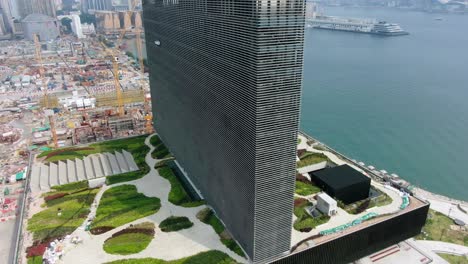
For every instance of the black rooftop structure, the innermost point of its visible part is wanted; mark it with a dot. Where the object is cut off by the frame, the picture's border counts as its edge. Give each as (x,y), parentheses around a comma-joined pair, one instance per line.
(343,183)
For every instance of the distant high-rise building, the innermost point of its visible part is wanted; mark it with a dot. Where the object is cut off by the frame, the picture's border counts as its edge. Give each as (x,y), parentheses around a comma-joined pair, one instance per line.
(227,80)
(89,6)
(45,7)
(76,26)
(10,12)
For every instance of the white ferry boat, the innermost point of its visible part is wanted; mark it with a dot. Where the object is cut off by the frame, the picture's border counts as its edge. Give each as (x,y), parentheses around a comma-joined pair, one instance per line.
(387,29)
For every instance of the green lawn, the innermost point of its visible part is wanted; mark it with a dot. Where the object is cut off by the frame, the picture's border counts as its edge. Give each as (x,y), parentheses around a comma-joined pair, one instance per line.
(310,158)
(105,146)
(160,150)
(74,210)
(452,259)
(175,223)
(123,204)
(438,228)
(35,260)
(178,195)
(134,145)
(382,200)
(305,222)
(207,216)
(208,257)
(305,189)
(127,244)
(69,188)
(320,147)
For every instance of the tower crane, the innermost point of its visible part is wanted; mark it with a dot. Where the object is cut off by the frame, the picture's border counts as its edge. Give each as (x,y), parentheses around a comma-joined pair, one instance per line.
(149,116)
(49,113)
(38,51)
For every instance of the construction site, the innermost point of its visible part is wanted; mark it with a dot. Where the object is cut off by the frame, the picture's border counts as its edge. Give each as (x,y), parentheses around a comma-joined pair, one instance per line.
(79,90)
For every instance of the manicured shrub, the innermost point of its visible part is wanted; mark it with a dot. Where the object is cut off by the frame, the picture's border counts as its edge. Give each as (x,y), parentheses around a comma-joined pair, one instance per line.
(37,250)
(54,196)
(100,230)
(175,223)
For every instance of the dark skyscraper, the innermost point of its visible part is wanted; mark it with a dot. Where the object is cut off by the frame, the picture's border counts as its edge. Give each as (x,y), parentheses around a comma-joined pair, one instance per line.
(226,83)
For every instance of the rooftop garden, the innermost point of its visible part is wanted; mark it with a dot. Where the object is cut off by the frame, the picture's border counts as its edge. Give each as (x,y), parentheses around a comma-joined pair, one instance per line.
(305,222)
(208,217)
(305,187)
(120,205)
(66,207)
(438,227)
(131,240)
(360,206)
(175,223)
(178,195)
(310,158)
(208,257)
(160,150)
(134,145)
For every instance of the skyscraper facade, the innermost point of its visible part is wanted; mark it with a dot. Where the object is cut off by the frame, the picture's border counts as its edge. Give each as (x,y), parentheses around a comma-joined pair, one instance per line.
(226,80)
(92,5)
(45,7)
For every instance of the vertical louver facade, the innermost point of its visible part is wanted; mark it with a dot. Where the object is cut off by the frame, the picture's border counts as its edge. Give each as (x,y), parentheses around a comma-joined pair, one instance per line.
(226,83)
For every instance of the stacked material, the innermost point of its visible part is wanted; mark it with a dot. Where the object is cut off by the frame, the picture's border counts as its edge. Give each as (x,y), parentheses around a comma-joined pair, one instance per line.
(44,176)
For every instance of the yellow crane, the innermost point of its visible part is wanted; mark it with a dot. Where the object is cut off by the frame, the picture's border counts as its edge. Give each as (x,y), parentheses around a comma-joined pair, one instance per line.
(149,116)
(38,51)
(115,69)
(49,113)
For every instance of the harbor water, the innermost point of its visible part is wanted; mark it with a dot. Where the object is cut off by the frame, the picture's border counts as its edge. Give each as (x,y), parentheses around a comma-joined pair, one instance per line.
(397,103)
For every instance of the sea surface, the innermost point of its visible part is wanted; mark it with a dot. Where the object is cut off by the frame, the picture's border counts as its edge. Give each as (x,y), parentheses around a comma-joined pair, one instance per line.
(397,103)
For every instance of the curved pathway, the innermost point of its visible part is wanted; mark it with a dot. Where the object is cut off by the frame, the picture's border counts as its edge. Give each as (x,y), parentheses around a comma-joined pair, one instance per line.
(167,246)
(444,247)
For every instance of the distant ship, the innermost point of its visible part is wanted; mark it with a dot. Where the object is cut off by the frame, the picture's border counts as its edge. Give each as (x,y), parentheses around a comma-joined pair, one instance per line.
(438,18)
(369,26)
(387,29)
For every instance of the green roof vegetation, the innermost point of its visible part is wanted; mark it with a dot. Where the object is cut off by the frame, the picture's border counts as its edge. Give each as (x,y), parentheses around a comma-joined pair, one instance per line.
(69,187)
(362,205)
(135,145)
(208,257)
(437,227)
(207,216)
(73,207)
(305,222)
(123,204)
(310,158)
(160,150)
(35,260)
(320,147)
(130,240)
(305,189)
(175,223)
(452,259)
(105,146)
(178,195)
(127,244)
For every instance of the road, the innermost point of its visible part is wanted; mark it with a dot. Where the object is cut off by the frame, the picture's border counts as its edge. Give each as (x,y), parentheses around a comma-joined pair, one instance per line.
(7,241)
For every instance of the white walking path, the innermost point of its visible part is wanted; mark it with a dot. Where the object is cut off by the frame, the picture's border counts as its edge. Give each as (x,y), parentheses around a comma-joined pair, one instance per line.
(167,246)
(444,247)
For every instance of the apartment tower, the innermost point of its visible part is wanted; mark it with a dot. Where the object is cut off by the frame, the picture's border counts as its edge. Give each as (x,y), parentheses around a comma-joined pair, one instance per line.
(226,80)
